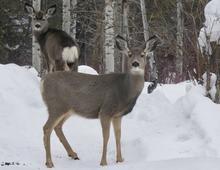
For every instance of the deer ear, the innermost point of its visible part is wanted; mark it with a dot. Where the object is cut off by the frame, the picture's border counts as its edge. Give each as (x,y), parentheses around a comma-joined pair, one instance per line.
(152,43)
(29,9)
(51,11)
(121,44)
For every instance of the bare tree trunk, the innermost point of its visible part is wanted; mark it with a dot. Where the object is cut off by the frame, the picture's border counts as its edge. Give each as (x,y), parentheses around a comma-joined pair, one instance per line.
(118,31)
(66,16)
(144,20)
(125,30)
(179,48)
(36,55)
(207,55)
(69,18)
(109,36)
(152,64)
(73,19)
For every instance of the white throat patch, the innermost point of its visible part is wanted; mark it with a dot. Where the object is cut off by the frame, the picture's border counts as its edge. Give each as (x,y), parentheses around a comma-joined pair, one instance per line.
(137,70)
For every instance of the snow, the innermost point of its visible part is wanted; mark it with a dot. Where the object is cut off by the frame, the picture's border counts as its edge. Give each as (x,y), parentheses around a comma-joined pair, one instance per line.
(173,128)
(87,70)
(213,79)
(212,25)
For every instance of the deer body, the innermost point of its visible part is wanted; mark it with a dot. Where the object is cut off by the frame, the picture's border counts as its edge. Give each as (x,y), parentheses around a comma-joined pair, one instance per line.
(107,97)
(59,49)
(117,99)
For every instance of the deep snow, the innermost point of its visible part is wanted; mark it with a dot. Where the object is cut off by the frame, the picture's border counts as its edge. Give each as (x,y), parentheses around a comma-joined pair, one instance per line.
(211,25)
(174,128)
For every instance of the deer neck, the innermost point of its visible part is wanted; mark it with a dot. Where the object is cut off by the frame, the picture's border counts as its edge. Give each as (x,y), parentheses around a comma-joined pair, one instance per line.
(39,34)
(135,83)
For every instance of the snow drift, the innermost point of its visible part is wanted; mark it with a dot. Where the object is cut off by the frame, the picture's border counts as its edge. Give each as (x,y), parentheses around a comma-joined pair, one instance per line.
(175,127)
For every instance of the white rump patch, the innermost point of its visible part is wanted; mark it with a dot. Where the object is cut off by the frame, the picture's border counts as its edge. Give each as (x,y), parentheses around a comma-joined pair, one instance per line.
(70,54)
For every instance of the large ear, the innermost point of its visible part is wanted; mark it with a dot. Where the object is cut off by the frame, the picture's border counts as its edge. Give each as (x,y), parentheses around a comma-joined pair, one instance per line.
(121,44)
(29,9)
(152,43)
(51,11)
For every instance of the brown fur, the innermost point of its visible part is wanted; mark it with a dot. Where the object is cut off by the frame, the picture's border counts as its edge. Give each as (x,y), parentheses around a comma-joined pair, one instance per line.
(107,97)
(51,41)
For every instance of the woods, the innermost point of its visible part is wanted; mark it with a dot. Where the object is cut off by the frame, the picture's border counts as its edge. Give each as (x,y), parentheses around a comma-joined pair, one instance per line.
(95,23)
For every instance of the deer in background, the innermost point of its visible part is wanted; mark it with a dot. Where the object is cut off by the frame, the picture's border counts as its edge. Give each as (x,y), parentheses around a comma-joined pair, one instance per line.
(59,49)
(108,97)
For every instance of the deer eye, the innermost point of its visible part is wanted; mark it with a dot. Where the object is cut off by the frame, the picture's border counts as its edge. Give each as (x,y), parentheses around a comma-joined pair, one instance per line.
(143,54)
(129,54)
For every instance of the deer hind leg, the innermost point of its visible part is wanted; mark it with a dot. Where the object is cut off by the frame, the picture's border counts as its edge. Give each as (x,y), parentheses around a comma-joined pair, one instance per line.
(73,66)
(63,140)
(48,128)
(105,123)
(117,130)
(59,65)
(50,68)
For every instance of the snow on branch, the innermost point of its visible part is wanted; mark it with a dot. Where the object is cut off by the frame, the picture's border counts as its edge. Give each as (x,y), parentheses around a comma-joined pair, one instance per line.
(12,48)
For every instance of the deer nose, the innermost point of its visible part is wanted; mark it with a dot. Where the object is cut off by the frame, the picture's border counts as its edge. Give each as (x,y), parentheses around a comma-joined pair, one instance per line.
(37,25)
(135,64)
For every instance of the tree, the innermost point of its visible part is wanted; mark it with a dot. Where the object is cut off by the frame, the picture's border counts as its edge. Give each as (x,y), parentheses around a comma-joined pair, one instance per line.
(66,16)
(109,36)
(179,44)
(73,19)
(36,56)
(125,29)
(151,62)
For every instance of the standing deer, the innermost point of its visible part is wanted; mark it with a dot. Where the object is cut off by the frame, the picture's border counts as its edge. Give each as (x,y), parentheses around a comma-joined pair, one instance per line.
(107,97)
(59,50)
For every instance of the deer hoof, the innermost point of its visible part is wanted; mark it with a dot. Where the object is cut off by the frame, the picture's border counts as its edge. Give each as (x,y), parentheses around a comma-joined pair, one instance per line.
(119,160)
(49,164)
(74,156)
(103,163)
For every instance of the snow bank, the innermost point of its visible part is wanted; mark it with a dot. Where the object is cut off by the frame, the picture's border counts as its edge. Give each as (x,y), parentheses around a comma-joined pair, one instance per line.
(87,70)
(175,127)
(204,116)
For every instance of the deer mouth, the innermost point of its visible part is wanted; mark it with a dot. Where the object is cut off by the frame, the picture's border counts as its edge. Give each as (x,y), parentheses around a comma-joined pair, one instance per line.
(37,27)
(137,70)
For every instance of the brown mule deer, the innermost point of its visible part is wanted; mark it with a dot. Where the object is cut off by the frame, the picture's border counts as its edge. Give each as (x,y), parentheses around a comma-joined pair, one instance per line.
(59,50)
(107,97)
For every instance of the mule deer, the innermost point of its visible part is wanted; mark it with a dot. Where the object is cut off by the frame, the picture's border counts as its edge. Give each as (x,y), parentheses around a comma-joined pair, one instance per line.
(59,50)
(107,97)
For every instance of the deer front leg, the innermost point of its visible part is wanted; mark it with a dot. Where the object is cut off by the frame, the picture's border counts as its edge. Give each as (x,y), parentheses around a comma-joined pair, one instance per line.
(117,129)
(48,127)
(105,123)
(63,140)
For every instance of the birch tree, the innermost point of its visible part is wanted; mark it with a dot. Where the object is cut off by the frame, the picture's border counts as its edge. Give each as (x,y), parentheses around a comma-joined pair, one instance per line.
(66,16)
(109,36)
(73,19)
(36,55)
(125,30)
(179,48)
(69,18)
(118,31)
(151,61)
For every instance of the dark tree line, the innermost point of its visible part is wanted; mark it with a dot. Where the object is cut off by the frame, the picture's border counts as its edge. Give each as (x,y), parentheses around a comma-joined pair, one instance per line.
(15,33)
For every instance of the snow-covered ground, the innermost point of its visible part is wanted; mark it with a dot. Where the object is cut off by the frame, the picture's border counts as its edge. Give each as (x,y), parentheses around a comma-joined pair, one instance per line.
(174,128)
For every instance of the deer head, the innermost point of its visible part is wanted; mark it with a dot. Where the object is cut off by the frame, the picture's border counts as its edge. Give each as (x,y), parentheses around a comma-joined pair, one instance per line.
(137,56)
(40,18)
